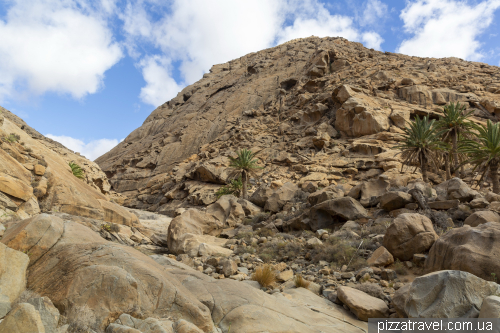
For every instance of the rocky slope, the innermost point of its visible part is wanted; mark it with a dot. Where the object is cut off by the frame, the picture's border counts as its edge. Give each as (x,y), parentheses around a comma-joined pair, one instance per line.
(35,175)
(316,110)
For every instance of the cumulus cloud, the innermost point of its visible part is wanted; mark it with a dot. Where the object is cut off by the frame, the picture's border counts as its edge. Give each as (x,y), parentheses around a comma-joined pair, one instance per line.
(58,46)
(375,11)
(196,34)
(444,28)
(90,150)
(160,86)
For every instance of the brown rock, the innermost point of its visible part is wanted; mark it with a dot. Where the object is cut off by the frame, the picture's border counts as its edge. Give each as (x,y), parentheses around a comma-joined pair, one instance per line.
(39,170)
(380,257)
(325,214)
(35,235)
(444,205)
(22,319)
(409,234)
(361,304)
(84,269)
(482,217)
(395,200)
(116,214)
(469,249)
(13,266)
(15,187)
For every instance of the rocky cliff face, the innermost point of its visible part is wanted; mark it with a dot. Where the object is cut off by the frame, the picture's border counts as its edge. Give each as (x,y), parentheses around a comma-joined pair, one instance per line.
(35,175)
(318,111)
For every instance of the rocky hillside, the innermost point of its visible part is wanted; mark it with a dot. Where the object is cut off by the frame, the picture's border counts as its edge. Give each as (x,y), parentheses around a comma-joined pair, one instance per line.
(35,175)
(316,110)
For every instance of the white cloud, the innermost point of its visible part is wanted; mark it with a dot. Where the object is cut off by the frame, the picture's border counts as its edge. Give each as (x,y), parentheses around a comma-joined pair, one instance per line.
(59,46)
(90,150)
(196,34)
(372,40)
(444,28)
(374,12)
(160,86)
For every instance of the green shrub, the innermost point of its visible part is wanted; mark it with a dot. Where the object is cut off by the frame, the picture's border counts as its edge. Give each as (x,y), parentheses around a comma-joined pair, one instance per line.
(77,170)
(233,188)
(12,137)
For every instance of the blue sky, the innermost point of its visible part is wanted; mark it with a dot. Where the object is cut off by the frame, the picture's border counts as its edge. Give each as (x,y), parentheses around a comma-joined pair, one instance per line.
(87,73)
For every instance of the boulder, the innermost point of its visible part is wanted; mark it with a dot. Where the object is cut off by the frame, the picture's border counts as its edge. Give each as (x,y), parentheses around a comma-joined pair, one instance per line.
(227,210)
(380,257)
(470,249)
(329,212)
(328,193)
(15,188)
(490,307)
(261,195)
(444,204)
(455,188)
(482,217)
(448,294)
(409,234)
(34,235)
(47,311)
(361,304)
(280,197)
(249,208)
(399,300)
(13,266)
(84,269)
(372,190)
(394,200)
(22,319)
(191,223)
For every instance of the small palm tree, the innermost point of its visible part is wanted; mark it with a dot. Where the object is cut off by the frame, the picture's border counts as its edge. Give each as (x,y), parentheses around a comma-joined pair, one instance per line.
(76,170)
(484,152)
(244,165)
(454,124)
(422,145)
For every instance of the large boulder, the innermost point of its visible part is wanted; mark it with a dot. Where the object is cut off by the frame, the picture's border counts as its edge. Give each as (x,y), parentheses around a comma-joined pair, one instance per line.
(15,187)
(84,269)
(228,210)
(482,217)
(261,195)
(470,249)
(361,304)
(240,307)
(280,197)
(490,307)
(455,188)
(47,311)
(394,200)
(380,257)
(329,212)
(360,115)
(22,319)
(448,294)
(409,234)
(13,266)
(328,193)
(191,223)
(372,190)
(34,235)
(399,300)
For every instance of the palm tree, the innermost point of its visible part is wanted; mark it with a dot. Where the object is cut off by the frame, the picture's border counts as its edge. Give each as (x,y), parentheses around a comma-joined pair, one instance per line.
(484,152)
(244,165)
(422,145)
(454,123)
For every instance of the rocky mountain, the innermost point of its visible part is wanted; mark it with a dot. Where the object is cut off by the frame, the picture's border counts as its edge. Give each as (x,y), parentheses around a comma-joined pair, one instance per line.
(317,111)
(334,232)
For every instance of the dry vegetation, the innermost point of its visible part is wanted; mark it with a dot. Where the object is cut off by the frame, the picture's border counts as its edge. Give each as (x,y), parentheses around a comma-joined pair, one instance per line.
(265,275)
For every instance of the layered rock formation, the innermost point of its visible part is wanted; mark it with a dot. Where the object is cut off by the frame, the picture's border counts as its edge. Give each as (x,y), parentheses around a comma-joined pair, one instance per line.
(316,110)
